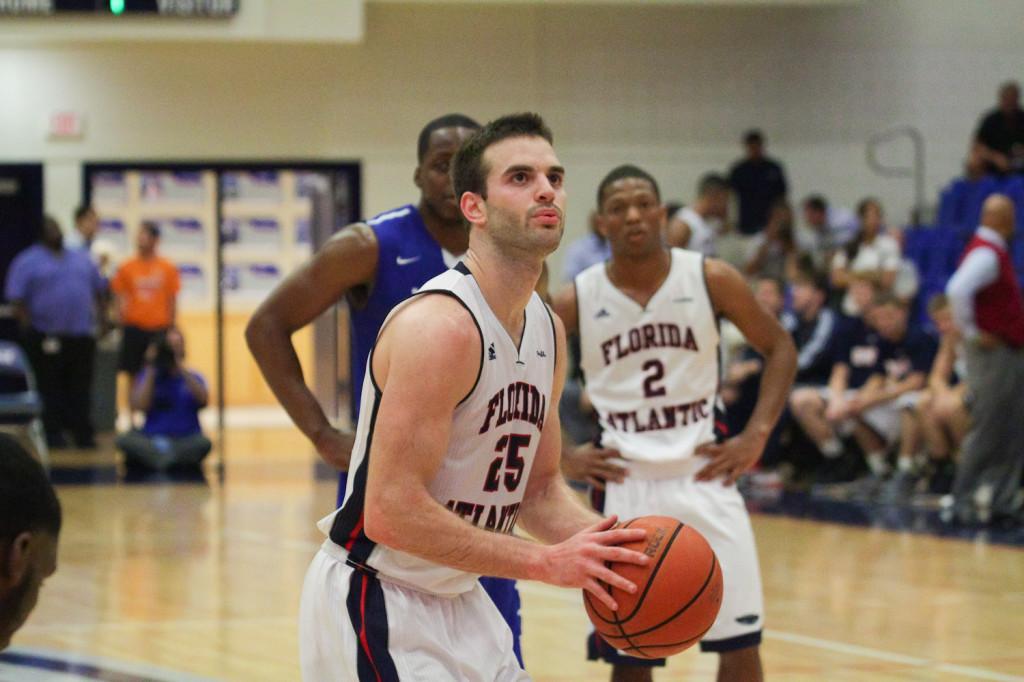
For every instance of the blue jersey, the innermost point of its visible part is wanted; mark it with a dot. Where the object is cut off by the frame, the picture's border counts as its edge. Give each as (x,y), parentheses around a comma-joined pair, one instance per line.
(407,256)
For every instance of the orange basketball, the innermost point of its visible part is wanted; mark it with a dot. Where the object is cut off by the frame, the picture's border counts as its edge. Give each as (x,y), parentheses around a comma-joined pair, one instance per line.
(678,593)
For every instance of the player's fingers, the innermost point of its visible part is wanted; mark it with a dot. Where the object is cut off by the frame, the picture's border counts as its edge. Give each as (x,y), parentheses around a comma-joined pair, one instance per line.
(596,482)
(619,536)
(610,577)
(712,470)
(708,449)
(610,472)
(604,524)
(607,453)
(600,594)
(623,556)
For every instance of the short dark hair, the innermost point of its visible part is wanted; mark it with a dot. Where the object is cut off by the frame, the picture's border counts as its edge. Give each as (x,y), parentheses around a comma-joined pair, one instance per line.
(625,171)
(439,123)
(816,202)
(712,182)
(468,171)
(812,277)
(82,210)
(27,499)
(753,135)
(151,227)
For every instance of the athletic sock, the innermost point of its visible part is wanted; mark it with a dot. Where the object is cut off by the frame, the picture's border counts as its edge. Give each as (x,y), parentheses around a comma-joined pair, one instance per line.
(905,463)
(832,448)
(877,463)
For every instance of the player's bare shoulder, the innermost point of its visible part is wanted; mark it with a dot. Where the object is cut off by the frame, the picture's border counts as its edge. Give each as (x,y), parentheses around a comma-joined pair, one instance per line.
(726,286)
(436,334)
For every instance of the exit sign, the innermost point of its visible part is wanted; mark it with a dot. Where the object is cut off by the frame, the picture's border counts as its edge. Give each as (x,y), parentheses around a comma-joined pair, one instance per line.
(66,125)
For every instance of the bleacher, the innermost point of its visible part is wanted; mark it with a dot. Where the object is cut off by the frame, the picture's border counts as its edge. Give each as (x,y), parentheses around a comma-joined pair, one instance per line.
(936,249)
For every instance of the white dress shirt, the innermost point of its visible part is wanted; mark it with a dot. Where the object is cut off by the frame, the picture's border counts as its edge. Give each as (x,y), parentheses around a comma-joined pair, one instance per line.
(979,269)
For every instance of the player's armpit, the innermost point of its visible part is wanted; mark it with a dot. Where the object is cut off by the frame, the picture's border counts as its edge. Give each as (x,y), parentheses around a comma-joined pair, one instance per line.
(563,303)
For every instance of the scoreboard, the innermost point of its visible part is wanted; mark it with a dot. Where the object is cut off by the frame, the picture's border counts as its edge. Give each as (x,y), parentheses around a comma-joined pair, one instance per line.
(114,8)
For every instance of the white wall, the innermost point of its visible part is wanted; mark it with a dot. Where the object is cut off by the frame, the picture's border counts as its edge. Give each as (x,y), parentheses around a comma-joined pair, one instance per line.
(670,87)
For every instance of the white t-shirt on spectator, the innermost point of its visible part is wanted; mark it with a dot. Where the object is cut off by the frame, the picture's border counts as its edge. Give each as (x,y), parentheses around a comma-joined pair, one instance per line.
(881,255)
(702,230)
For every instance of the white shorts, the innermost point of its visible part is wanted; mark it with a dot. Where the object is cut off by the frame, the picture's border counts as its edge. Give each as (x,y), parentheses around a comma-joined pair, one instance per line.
(720,515)
(884,418)
(354,626)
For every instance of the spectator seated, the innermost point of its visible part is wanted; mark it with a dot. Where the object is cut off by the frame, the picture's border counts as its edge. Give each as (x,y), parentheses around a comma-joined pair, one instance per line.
(171,396)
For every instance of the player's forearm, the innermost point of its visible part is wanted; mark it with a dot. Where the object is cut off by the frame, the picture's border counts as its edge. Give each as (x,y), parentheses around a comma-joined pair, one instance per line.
(271,346)
(551,512)
(415,523)
(776,381)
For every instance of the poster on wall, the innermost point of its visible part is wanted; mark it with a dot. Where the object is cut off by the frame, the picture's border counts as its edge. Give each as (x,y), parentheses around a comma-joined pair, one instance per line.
(110,189)
(194,286)
(114,232)
(181,233)
(166,187)
(259,233)
(252,186)
(250,282)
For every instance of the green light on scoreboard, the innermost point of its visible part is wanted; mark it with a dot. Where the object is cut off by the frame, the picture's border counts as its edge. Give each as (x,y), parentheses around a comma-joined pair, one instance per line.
(116,7)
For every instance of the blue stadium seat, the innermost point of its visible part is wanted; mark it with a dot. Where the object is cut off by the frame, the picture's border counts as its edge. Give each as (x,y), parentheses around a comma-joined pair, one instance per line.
(21,407)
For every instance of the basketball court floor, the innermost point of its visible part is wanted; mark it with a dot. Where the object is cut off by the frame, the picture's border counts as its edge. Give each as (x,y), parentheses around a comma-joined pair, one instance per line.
(200,580)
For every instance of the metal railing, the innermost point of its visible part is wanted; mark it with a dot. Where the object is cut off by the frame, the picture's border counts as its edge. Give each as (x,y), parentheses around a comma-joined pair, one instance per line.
(915,171)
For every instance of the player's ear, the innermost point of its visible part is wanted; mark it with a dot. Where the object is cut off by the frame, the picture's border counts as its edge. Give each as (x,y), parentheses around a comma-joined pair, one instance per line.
(473,207)
(599,223)
(417,180)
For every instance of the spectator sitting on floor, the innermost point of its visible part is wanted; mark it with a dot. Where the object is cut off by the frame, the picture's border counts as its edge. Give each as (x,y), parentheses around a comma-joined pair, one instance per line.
(30,520)
(872,254)
(171,396)
(942,415)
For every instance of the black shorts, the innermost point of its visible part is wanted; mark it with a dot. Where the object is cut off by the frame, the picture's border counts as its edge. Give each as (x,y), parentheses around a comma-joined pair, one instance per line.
(134,342)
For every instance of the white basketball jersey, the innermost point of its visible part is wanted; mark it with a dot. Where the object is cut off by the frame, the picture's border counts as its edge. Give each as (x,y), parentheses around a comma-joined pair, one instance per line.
(494,437)
(652,373)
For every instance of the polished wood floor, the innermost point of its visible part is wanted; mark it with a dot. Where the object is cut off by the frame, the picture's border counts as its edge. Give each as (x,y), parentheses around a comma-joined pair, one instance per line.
(204,579)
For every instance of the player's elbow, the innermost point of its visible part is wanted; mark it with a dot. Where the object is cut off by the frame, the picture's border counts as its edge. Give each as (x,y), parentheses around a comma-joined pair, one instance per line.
(260,327)
(382,520)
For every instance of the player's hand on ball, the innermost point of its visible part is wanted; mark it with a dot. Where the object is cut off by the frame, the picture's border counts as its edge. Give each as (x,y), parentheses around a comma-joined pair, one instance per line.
(581,561)
(334,447)
(593,465)
(729,459)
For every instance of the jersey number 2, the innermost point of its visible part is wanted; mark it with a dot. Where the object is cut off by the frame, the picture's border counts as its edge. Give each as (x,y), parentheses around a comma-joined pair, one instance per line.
(656,373)
(514,463)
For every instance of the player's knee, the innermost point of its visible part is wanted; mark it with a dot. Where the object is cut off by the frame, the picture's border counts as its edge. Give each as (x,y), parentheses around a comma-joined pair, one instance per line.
(803,401)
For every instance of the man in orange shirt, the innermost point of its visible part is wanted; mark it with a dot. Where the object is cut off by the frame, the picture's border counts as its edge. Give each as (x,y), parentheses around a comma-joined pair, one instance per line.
(146,287)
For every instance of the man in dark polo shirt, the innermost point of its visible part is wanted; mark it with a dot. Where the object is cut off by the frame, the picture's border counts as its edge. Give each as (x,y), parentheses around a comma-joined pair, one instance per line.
(989,311)
(999,140)
(758,181)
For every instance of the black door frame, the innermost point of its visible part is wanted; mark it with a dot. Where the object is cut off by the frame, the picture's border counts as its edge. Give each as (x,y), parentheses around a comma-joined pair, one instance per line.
(351,168)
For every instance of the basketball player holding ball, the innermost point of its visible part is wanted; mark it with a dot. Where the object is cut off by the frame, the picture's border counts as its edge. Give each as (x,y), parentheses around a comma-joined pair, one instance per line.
(458,440)
(647,321)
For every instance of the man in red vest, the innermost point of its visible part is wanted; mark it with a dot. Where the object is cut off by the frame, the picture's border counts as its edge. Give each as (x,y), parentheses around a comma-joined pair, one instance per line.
(989,311)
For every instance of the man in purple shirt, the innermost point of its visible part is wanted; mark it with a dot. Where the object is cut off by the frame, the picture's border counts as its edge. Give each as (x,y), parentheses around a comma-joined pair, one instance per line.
(54,292)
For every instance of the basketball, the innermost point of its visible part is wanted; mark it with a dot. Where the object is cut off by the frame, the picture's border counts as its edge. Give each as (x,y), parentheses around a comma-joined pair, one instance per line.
(678,593)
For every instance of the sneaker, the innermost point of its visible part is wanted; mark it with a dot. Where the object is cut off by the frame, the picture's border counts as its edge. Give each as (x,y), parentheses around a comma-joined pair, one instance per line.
(866,488)
(899,489)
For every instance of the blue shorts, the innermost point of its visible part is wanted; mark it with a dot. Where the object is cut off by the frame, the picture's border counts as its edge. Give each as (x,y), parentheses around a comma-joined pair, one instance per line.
(502,591)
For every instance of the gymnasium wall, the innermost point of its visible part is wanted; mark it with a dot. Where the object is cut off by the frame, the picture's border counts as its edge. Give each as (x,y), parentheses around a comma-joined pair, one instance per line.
(671,87)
